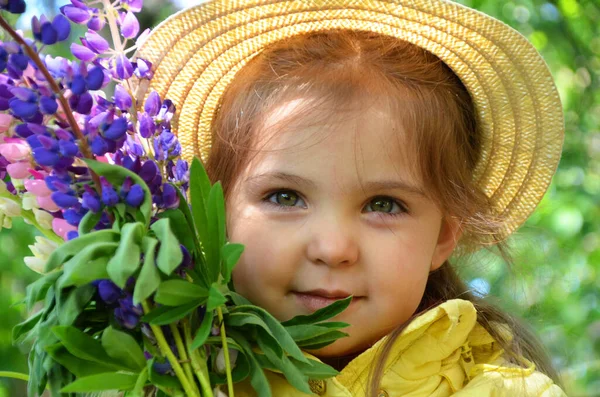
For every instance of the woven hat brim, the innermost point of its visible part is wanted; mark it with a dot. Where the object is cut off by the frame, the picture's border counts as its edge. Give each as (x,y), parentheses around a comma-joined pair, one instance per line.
(197,52)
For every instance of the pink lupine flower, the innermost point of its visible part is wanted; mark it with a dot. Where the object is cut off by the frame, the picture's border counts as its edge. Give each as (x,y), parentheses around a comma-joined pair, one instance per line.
(13,150)
(46,202)
(62,228)
(18,170)
(38,187)
(5,120)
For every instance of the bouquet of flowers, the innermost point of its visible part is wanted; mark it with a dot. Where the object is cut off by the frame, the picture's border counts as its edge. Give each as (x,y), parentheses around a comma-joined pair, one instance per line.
(135,292)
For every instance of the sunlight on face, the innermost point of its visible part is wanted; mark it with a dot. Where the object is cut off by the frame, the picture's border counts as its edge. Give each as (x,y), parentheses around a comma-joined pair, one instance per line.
(324,218)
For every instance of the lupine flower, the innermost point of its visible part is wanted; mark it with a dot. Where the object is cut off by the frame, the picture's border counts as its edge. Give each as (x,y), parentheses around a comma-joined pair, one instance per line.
(41,250)
(13,6)
(56,31)
(108,291)
(9,207)
(76,14)
(14,150)
(130,27)
(18,170)
(61,227)
(43,218)
(128,314)
(109,196)
(5,120)
(123,67)
(122,98)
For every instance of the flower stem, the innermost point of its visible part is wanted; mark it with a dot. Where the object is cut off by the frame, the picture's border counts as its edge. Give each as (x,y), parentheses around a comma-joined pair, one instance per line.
(198,363)
(85,148)
(14,375)
(166,350)
(226,351)
(183,356)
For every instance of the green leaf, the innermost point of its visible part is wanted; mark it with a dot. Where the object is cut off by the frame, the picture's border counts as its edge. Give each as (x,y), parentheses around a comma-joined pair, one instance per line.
(215,298)
(258,379)
(315,369)
(278,331)
(203,330)
(76,365)
(215,227)
(199,191)
(73,247)
(322,340)
(76,301)
(138,390)
(231,255)
(87,266)
(123,347)
(149,277)
(179,292)
(308,331)
(165,315)
(238,299)
(180,227)
(169,253)
(88,222)
(100,382)
(82,345)
(126,260)
(291,373)
(20,330)
(116,174)
(322,314)
(36,291)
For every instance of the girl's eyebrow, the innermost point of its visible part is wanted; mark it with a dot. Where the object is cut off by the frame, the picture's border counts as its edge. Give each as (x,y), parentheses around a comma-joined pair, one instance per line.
(371,185)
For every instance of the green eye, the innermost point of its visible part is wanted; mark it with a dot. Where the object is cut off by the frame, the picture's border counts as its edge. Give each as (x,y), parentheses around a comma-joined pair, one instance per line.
(382,204)
(288,199)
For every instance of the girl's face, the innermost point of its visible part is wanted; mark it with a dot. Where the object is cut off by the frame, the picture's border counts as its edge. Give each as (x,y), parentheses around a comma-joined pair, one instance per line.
(322,219)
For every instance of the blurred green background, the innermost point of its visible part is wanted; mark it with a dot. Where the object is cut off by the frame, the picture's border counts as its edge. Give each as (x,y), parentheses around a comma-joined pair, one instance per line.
(556,282)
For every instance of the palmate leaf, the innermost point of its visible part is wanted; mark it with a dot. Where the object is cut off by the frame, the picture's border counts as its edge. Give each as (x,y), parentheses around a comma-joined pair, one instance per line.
(149,278)
(100,382)
(123,347)
(165,315)
(179,292)
(126,259)
(75,246)
(169,253)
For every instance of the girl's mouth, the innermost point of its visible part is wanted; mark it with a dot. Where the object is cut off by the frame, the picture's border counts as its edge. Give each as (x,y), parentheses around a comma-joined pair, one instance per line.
(318,299)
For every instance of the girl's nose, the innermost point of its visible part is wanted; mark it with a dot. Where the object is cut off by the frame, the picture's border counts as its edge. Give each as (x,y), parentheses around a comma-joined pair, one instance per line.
(332,244)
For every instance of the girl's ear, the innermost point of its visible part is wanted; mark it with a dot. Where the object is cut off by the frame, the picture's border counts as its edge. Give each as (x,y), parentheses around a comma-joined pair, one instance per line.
(450,233)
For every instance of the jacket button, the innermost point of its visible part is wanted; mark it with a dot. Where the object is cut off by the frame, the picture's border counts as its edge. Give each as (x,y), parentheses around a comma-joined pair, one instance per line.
(317,386)
(383,393)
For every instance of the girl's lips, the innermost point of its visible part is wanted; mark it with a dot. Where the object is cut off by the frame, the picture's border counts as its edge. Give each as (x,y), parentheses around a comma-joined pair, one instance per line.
(316,302)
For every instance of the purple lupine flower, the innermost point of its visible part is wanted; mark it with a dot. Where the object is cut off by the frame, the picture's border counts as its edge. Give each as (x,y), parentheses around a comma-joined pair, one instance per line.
(147,127)
(95,78)
(109,292)
(48,105)
(132,5)
(135,197)
(109,196)
(130,27)
(97,22)
(73,217)
(170,199)
(123,68)
(45,157)
(78,85)
(182,172)
(152,105)
(143,69)
(68,148)
(95,42)
(99,146)
(76,14)
(166,146)
(81,52)
(122,98)
(90,200)
(62,27)
(81,104)
(116,129)
(13,6)
(64,200)
(72,235)
(128,314)
(36,27)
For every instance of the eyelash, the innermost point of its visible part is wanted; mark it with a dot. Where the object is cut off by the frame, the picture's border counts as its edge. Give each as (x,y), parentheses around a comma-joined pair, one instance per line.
(403,209)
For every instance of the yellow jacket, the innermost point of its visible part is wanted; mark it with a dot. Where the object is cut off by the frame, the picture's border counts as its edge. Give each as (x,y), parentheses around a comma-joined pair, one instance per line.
(443,352)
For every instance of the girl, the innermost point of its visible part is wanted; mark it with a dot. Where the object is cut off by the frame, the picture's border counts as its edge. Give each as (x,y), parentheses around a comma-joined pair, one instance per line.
(360,144)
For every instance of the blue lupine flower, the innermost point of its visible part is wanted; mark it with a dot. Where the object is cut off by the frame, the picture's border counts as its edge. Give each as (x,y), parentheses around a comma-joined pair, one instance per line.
(64,200)
(147,126)
(73,217)
(13,6)
(135,197)
(62,27)
(128,314)
(82,104)
(95,78)
(117,129)
(76,14)
(68,148)
(90,200)
(48,105)
(22,109)
(19,60)
(182,171)
(45,157)
(109,196)
(72,234)
(99,146)
(122,98)
(109,292)
(78,85)
(3,59)
(152,105)
(170,199)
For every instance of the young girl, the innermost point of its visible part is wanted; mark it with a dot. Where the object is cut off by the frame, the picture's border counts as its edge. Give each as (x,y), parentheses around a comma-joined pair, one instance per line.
(360,144)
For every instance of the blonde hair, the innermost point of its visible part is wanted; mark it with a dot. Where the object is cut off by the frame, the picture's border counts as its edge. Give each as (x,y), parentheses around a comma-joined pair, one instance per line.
(340,69)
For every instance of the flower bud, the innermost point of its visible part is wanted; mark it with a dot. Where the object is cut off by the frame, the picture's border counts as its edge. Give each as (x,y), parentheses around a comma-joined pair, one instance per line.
(9,207)
(130,27)
(220,360)
(43,218)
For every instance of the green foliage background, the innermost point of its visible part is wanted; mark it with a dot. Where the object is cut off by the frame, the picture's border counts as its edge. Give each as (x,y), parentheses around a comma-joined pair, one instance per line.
(556,282)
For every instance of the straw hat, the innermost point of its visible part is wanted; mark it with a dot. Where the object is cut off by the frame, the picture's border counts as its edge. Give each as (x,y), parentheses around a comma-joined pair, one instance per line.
(197,52)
